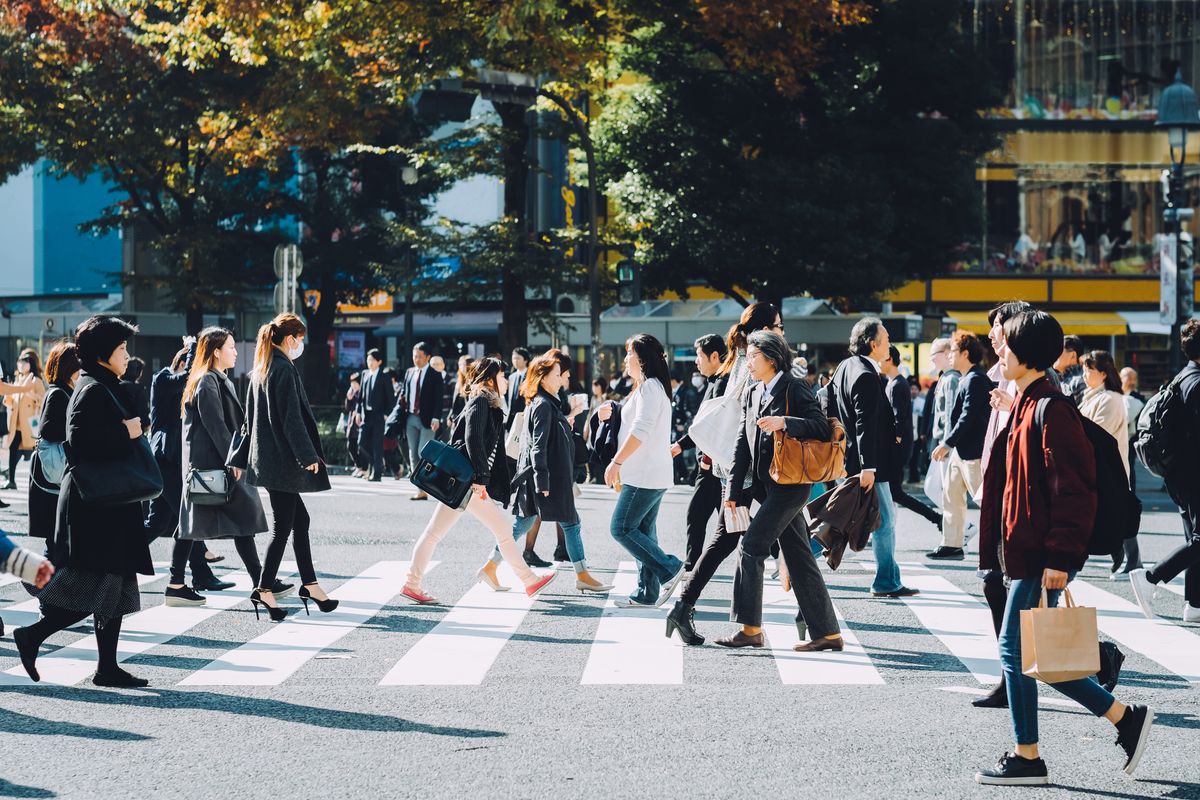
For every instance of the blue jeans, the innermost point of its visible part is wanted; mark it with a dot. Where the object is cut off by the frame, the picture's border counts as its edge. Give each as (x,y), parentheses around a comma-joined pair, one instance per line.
(1024,594)
(571,534)
(634,527)
(883,542)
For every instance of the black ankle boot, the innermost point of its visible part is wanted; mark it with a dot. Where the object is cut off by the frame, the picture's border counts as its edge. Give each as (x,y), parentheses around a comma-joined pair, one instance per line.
(680,619)
(997,698)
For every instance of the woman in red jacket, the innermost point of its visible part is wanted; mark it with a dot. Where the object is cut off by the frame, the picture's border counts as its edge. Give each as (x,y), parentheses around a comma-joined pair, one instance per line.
(1042,544)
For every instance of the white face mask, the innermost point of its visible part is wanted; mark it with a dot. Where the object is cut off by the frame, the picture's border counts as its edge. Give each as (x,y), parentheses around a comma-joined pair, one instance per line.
(698,381)
(295,352)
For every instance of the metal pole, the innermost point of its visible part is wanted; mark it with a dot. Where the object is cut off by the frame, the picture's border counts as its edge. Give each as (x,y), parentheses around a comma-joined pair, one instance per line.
(1176,227)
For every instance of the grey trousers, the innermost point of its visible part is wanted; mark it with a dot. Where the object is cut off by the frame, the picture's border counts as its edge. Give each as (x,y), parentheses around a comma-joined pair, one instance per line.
(418,436)
(781,517)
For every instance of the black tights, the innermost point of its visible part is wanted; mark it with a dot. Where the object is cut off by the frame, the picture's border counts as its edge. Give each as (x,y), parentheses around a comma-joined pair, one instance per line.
(290,516)
(55,619)
(15,454)
(186,550)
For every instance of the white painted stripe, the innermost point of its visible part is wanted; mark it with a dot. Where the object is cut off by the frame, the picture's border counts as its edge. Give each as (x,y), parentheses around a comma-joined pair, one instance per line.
(273,657)
(1163,642)
(461,649)
(142,632)
(851,666)
(630,645)
(959,621)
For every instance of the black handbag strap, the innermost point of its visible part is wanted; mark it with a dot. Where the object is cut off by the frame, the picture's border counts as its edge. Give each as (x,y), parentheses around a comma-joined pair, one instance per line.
(203,485)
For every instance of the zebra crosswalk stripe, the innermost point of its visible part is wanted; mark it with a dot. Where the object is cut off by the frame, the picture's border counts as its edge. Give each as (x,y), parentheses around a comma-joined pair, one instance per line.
(630,647)
(851,666)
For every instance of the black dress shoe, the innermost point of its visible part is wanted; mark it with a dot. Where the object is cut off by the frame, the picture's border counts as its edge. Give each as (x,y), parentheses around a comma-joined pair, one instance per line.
(561,555)
(818,645)
(996,698)
(3,504)
(681,620)
(903,591)
(742,639)
(211,584)
(947,554)
(532,560)
(281,589)
(27,649)
(118,679)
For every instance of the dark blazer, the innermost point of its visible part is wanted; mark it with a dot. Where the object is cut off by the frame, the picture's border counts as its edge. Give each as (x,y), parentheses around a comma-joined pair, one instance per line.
(431,398)
(856,398)
(480,430)
(377,397)
(166,425)
(281,433)
(209,421)
(900,399)
(137,400)
(43,506)
(714,388)
(546,463)
(516,401)
(1183,482)
(969,417)
(110,538)
(804,420)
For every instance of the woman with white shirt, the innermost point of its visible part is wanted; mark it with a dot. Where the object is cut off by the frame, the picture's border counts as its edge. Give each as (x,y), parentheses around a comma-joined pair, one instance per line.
(641,471)
(1104,404)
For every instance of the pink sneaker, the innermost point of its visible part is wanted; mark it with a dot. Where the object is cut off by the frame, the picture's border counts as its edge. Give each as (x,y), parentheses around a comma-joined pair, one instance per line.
(419,597)
(533,589)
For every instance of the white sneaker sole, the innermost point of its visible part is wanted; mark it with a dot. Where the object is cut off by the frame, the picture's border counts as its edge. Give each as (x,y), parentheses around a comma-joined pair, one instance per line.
(1143,593)
(1141,745)
(1034,780)
(665,594)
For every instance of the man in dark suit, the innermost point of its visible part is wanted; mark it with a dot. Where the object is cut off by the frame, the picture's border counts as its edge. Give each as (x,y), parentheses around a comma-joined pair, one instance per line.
(376,403)
(421,405)
(962,449)
(856,398)
(516,401)
(899,395)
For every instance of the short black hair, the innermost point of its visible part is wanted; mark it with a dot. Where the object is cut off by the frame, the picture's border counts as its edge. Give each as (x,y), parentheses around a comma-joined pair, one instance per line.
(1035,338)
(894,354)
(1189,337)
(863,335)
(424,348)
(773,347)
(523,352)
(1006,311)
(710,343)
(98,337)
(375,354)
(1074,344)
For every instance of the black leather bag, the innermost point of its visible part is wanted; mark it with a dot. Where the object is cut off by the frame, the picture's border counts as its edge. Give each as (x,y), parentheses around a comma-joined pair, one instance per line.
(444,473)
(209,487)
(134,479)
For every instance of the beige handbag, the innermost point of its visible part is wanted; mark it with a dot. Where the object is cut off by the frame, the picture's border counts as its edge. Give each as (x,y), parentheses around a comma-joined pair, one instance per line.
(1059,644)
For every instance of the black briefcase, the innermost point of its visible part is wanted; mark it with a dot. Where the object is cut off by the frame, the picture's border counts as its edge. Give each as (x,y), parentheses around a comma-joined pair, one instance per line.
(444,473)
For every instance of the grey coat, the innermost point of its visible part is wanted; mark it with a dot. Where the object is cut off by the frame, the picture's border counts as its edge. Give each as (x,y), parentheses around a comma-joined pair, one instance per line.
(281,434)
(209,420)
(546,463)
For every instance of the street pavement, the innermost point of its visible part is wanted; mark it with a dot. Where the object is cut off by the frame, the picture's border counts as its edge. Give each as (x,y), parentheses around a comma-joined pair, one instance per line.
(491,695)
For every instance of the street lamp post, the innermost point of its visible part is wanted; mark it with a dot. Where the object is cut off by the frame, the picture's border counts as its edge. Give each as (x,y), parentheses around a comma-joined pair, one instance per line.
(1178,112)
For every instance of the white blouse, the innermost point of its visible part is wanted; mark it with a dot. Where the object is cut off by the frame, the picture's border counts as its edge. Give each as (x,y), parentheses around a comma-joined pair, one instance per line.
(646,414)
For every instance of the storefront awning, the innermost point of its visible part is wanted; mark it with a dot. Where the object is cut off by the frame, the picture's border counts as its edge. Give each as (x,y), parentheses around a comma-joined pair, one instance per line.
(457,323)
(1145,322)
(1080,323)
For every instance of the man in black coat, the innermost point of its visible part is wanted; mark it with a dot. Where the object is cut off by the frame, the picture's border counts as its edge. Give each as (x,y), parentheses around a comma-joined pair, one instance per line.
(899,394)
(420,406)
(376,402)
(962,449)
(856,398)
(681,418)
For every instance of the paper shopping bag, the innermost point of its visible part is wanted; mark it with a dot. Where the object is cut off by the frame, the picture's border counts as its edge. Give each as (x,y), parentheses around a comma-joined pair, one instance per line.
(1059,644)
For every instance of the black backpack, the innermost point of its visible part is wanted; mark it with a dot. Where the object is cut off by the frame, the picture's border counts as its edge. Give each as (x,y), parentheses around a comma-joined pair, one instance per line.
(1161,430)
(1118,509)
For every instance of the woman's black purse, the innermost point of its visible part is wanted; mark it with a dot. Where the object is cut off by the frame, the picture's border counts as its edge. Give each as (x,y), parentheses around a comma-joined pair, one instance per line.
(135,478)
(444,473)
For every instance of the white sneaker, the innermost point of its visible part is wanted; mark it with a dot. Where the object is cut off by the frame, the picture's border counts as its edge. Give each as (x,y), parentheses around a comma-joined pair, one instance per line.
(1143,592)
(1190,613)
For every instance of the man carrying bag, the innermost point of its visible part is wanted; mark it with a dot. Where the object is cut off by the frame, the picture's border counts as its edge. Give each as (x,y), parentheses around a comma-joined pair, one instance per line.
(1040,489)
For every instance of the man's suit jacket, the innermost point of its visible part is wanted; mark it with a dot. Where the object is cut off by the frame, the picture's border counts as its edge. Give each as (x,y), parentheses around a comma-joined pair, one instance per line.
(900,399)
(516,401)
(797,403)
(431,398)
(969,417)
(856,398)
(377,397)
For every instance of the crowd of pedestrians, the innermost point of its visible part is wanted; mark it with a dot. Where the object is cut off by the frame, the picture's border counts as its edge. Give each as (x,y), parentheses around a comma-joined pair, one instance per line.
(1013,439)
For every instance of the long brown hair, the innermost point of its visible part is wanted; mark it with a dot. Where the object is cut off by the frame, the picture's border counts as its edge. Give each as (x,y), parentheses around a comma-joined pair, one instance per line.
(62,363)
(1102,362)
(464,372)
(269,337)
(208,343)
(35,363)
(755,317)
(537,371)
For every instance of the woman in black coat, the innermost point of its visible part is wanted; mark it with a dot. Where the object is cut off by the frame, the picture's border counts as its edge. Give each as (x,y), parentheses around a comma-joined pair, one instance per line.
(545,483)
(211,414)
(99,548)
(479,431)
(281,452)
(62,372)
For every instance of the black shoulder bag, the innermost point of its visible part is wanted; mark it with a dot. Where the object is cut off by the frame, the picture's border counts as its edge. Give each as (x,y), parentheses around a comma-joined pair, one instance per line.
(132,479)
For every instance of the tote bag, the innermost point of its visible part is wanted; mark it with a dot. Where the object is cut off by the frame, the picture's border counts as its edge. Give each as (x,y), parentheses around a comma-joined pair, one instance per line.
(934,483)
(1059,644)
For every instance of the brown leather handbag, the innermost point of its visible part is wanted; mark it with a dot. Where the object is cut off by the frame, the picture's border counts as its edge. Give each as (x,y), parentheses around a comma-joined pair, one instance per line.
(796,461)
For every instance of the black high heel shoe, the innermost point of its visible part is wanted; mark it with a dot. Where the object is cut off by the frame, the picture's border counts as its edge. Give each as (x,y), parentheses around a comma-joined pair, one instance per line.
(276,613)
(326,605)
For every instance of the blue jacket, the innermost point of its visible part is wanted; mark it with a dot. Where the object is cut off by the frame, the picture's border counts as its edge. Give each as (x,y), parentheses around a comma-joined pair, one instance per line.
(969,419)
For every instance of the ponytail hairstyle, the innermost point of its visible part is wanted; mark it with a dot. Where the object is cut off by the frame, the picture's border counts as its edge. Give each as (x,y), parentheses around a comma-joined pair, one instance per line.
(755,317)
(537,370)
(208,343)
(271,336)
(650,354)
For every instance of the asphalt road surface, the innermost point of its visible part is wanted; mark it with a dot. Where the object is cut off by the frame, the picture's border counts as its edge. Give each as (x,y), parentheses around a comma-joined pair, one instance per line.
(491,695)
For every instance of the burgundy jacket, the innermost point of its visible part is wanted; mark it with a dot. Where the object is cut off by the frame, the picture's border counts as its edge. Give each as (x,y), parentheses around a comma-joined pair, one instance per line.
(1039,493)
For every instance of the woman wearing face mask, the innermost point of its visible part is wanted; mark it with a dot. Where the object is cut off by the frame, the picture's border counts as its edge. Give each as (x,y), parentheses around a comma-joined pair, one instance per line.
(544,482)
(281,452)
(211,415)
(479,430)
(101,547)
(23,412)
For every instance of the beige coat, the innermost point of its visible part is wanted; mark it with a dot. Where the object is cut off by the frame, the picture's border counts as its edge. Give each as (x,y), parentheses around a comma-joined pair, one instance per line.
(23,409)
(1107,409)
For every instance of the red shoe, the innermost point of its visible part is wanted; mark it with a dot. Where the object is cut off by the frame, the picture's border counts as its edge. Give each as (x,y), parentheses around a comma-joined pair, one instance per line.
(532,589)
(420,598)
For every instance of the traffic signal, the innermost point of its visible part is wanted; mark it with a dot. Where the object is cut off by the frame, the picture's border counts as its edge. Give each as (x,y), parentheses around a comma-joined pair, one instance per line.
(629,282)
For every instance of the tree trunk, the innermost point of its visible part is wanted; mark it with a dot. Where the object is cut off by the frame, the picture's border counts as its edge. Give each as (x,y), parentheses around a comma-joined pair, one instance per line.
(318,381)
(514,321)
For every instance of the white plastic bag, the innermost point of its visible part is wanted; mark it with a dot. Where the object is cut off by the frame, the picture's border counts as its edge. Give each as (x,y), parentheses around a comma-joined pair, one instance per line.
(934,480)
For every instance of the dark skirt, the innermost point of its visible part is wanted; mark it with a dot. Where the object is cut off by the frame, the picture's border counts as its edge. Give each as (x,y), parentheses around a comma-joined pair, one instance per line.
(101,594)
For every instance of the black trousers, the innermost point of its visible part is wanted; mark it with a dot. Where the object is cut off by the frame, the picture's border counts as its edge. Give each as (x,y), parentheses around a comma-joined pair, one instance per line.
(186,550)
(15,454)
(1186,557)
(720,547)
(906,500)
(352,447)
(370,443)
(780,518)
(290,517)
(706,498)
(55,619)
